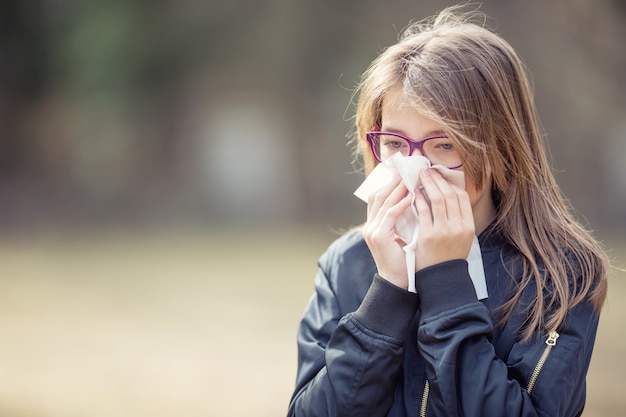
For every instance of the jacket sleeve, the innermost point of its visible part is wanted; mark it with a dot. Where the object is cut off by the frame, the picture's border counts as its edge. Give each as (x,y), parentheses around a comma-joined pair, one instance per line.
(466,376)
(348,364)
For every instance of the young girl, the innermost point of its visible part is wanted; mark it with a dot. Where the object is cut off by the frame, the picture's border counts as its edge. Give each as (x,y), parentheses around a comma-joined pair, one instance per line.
(457,94)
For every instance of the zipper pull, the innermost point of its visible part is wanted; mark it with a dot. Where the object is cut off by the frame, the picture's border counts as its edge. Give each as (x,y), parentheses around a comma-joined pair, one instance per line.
(551,341)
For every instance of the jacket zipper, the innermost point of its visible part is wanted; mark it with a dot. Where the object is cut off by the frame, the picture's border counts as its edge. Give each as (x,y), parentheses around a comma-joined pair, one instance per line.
(424,399)
(550,343)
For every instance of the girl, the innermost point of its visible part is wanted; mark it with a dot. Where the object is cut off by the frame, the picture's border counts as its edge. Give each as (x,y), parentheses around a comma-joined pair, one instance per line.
(457,94)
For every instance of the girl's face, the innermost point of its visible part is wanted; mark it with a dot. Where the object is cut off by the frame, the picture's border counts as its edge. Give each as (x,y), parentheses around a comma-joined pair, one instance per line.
(399,116)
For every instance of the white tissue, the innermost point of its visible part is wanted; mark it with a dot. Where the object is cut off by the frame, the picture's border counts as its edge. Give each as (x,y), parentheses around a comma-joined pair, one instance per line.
(407,226)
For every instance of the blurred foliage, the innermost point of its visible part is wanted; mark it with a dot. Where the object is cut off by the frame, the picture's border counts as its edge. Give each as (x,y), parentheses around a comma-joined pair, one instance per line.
(118,111)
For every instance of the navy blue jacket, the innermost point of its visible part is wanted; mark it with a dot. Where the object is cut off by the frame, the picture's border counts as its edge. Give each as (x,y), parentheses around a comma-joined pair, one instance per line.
(369,348)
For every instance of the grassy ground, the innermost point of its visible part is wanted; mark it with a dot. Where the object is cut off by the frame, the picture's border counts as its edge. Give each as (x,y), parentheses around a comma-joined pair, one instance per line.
(195,323)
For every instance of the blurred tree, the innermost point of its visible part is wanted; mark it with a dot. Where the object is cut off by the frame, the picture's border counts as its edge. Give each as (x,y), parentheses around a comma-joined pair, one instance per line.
(22,80)
(105,106)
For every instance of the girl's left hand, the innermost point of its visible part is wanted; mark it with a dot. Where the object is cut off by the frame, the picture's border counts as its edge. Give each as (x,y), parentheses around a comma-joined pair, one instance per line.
(446,226)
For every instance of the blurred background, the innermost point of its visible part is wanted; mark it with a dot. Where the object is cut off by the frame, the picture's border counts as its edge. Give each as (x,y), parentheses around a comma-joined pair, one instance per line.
(170,171)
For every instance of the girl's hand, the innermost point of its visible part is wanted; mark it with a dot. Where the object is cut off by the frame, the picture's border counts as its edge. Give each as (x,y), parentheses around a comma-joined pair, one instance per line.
(446,226)
(383,209)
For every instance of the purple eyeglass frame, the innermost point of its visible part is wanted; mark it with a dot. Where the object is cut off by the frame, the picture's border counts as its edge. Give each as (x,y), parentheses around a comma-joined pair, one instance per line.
(413,144)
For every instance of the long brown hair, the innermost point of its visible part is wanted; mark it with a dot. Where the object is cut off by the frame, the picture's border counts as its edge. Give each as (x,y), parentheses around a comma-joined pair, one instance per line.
(471,81)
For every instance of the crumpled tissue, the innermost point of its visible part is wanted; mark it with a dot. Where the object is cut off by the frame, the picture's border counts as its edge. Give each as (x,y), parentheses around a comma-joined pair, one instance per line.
(407,225)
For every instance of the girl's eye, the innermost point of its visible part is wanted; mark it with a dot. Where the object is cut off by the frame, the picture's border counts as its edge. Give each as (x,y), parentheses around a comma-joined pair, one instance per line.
(394,144)
(442,146)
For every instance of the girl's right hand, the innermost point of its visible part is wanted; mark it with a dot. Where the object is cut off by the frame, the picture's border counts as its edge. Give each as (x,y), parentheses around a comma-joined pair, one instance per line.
(446,225)
(383,209)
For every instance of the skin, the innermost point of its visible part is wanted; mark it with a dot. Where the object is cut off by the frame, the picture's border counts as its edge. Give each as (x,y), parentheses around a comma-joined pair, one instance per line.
(447,225)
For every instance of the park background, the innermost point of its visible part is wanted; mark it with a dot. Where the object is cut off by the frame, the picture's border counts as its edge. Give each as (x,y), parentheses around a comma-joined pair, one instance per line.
(171,170)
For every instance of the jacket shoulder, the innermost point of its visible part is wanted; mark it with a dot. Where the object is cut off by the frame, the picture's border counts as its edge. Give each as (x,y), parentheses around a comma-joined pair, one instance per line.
(347,248)
(349,268)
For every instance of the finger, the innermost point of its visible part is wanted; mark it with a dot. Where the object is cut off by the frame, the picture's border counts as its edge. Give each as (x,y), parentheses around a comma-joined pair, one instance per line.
(380,230)
(454,177)
(381,220)
(435,195)
(458,205)
(382,205)
(377,198)
(398,201)
(449,193)
(423,210)
(391,215)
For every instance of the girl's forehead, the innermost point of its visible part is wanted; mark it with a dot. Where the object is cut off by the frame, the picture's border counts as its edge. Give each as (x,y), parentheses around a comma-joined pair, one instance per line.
(397,101)
(398,108)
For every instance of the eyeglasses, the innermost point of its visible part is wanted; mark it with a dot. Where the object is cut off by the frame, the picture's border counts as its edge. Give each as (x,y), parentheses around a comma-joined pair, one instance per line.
(438,149)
